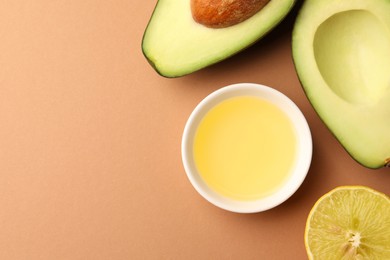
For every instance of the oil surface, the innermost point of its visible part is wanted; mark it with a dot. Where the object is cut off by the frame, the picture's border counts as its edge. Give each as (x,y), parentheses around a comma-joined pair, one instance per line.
(244,148)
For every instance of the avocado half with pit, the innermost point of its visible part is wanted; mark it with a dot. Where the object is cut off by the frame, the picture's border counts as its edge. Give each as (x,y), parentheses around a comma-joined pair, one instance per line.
(341,52)
(175,44)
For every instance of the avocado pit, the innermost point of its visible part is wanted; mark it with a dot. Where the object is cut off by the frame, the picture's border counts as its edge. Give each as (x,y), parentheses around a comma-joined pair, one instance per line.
(224,13)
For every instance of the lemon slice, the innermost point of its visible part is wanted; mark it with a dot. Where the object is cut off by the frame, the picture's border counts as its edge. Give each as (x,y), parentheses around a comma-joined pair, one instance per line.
(349,222)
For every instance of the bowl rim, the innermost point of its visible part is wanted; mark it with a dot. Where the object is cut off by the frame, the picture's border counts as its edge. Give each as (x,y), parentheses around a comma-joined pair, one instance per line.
(299,170)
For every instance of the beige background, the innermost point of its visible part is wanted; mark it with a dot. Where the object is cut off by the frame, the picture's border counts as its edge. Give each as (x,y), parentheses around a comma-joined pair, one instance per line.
(90,164)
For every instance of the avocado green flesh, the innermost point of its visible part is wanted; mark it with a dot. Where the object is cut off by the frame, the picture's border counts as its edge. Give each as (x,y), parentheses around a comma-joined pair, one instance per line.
(176,45)
(342,57)
(352,52)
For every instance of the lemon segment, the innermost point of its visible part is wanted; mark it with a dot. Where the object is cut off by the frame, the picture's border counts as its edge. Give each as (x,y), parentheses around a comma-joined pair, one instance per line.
(349,222)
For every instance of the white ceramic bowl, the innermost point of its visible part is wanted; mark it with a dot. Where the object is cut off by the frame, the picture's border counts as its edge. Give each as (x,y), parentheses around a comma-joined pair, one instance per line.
(301,166)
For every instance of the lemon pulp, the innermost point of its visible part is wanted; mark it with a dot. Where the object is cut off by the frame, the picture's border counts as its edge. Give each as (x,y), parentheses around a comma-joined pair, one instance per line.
(349,222)
(244,148)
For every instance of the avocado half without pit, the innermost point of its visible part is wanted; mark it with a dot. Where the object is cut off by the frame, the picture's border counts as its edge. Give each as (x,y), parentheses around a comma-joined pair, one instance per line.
(184,36)
(341,52)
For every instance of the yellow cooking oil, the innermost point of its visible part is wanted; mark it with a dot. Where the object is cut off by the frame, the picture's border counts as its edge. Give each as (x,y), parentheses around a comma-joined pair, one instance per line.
(244,148)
